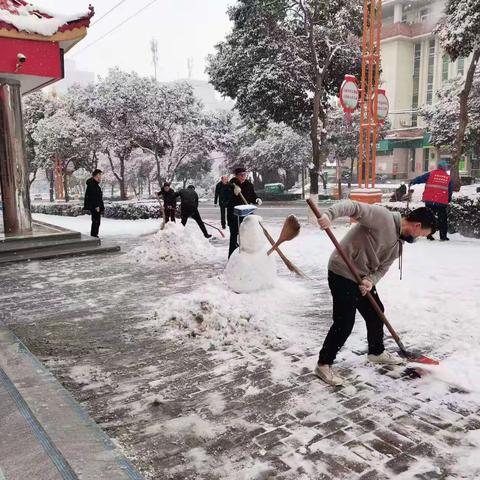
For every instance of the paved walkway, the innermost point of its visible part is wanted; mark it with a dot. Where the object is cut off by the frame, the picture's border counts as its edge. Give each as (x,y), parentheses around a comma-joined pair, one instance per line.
(182,411)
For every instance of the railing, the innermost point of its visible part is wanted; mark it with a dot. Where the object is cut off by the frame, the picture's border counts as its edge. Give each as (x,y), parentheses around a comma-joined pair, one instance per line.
(407,30)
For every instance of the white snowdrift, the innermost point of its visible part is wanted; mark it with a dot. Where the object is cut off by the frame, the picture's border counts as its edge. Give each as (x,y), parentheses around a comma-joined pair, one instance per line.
(178,244)
(220,317)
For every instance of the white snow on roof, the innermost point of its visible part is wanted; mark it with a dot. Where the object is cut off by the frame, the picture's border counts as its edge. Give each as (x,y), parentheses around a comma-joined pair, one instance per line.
(28,21)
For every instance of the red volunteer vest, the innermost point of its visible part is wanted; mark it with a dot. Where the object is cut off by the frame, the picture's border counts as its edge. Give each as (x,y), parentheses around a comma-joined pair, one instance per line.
(436,188)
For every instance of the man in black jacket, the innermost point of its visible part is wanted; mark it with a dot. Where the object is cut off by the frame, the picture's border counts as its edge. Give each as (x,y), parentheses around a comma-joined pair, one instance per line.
(169,201)
(222,196)
(239,184)
(189,208)
(94,201)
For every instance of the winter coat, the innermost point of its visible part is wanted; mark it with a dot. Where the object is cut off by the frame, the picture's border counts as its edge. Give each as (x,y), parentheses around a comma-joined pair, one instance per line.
(247,191)
(189,199)
(169,198)
(438,188)
(222,193)
(372,244)
(93,196)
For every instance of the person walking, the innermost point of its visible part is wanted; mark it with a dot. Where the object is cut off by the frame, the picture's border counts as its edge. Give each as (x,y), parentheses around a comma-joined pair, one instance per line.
(239,184)
(93,201)
(189,208)
(222,195)
(169,202)
(372,244)
(437,195)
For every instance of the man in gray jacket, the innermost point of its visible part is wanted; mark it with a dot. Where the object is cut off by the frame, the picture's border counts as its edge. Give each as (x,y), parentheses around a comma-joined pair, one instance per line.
(372,245)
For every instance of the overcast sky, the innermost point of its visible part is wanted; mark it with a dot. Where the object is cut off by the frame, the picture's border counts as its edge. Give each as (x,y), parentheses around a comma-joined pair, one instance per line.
(183,29)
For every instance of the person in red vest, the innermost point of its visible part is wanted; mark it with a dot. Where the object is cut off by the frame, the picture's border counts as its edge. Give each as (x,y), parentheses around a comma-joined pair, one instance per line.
(437,195)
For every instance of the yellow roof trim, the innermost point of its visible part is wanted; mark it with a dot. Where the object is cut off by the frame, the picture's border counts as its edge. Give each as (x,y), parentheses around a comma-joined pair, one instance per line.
(68,35)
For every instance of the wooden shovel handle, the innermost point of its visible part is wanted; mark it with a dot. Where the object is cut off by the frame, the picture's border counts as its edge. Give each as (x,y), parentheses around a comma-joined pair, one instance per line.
(357,277)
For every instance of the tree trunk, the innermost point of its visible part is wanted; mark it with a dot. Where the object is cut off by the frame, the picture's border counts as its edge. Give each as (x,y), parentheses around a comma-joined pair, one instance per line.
(65,187)
(51,181)
(314,139)
(123,184)
(350,178)
(459,145)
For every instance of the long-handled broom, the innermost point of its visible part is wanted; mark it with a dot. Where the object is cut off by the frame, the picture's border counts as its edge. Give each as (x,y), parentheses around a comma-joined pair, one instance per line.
(408,355)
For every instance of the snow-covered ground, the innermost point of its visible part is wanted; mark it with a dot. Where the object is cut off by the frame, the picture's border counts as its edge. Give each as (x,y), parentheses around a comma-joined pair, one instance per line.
(435,309)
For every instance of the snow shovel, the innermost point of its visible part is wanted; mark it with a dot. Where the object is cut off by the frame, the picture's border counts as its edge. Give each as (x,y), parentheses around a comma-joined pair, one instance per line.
(408,355)
(216,228)
(286,261)
(290,229)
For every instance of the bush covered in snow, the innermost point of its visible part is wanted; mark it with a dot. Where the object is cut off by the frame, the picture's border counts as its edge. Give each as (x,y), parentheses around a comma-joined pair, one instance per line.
(118,210)
(463,215)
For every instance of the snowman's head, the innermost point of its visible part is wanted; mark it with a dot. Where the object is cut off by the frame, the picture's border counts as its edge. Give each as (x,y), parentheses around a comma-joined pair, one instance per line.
(252,239)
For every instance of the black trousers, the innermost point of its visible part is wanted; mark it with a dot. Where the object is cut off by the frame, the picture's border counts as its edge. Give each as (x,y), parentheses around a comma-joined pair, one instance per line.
(169,213)
(347,299)
(441,212)
(96,216)
(186,213)
(233,227)
(223,211)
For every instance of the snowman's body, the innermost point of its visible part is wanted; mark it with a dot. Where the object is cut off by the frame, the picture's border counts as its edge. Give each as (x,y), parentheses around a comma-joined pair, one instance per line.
(249,267)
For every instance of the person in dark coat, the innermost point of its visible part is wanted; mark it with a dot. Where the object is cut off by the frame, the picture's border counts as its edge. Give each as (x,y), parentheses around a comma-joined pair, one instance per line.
(94,201)
(169,201)
(189,208)
(239,184)
(222,196)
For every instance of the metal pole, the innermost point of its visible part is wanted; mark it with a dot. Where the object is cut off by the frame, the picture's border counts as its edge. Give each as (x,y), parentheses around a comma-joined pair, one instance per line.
(14,180)
(361,145)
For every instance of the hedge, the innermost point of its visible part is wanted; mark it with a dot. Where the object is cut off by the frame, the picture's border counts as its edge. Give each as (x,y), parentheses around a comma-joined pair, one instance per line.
(118,210)
(463,216)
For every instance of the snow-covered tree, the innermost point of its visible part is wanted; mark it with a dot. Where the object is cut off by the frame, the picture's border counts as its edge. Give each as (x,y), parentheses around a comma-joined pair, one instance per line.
(116,102)
(442,118)
(174,128)
(60,137)
(284,59)
(459,35)
(36,107)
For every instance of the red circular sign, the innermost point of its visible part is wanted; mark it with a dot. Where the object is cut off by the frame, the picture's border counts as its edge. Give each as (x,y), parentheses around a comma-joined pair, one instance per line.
(349,94)
(383,106)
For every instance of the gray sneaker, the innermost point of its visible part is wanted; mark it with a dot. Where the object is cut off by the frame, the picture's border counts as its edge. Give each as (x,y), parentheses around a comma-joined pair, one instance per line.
(385,358)
(326,373)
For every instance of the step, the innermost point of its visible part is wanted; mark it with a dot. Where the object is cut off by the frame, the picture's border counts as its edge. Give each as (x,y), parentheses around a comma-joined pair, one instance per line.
(41,243)
(47,433)
(46,253)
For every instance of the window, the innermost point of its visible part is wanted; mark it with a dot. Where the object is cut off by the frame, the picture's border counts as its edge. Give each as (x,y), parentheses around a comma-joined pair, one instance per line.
(416,81)
(412,159)
(424,14)
(461,65)
(431,64)
(445,65)
(426,156)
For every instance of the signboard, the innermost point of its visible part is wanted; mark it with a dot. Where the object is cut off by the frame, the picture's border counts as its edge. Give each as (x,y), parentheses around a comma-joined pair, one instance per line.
(383,106)
(349,94)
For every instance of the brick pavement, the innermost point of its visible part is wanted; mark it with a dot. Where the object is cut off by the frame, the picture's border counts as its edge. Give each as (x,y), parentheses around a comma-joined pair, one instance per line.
(181,411)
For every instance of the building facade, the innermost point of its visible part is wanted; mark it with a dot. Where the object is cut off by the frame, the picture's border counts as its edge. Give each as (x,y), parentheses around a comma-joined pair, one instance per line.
(414,67)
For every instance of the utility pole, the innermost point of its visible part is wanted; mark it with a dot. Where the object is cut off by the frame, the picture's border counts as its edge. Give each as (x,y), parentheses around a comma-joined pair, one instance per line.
(154,50)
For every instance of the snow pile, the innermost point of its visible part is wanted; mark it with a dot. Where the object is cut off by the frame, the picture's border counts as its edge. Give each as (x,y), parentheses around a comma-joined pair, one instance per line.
(25,19)
(250,268)
(222,318)
(178,244)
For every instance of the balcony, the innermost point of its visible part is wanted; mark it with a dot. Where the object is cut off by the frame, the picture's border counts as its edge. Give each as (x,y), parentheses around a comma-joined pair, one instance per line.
(409,30)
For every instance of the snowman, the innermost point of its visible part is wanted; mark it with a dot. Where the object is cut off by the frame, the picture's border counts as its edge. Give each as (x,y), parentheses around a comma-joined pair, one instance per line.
(249,267)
